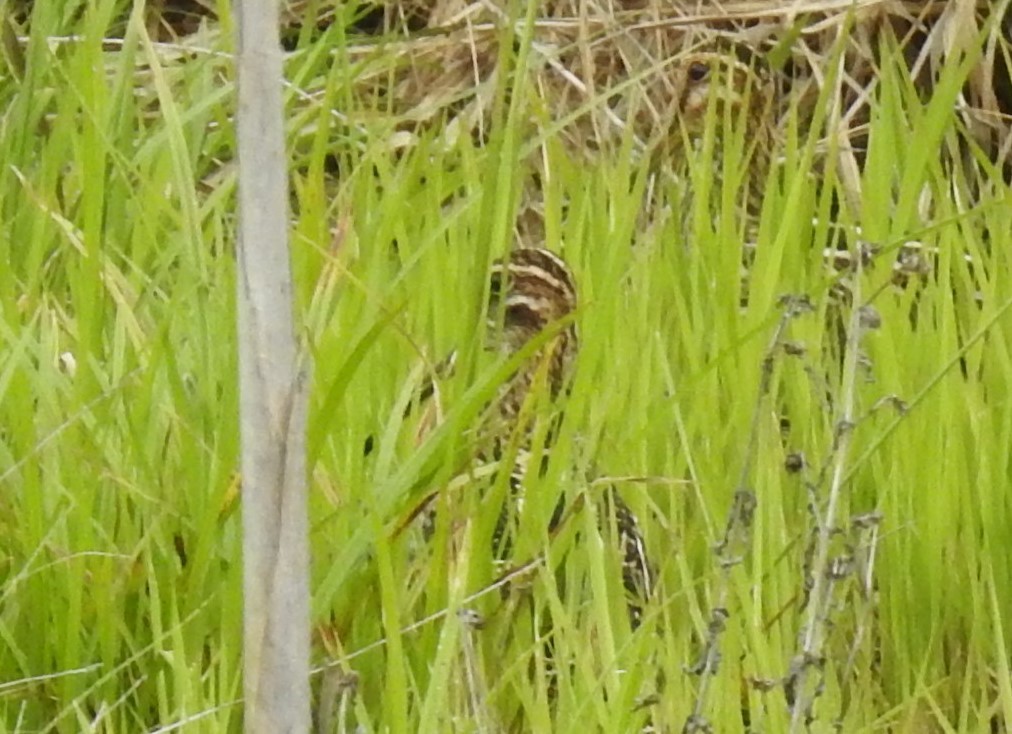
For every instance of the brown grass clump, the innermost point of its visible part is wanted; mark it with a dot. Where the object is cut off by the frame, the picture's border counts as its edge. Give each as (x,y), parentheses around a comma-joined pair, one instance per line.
(607,69)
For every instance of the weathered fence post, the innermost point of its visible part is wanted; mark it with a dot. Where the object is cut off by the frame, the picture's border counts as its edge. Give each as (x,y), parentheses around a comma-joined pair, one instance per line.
(272,400)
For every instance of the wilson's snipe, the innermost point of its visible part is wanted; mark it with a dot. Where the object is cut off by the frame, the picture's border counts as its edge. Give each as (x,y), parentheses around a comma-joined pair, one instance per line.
(743,92)
(731,81)
(530,291)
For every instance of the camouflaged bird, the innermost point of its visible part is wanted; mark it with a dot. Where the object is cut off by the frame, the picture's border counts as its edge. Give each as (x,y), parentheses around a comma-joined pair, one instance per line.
(530,291)
(731,83)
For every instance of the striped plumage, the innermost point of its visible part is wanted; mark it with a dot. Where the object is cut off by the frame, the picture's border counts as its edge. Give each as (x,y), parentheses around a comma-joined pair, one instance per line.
(529,291)
(740,89)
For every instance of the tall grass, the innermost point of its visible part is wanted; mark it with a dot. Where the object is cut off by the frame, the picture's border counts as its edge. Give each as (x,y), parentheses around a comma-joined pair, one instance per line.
(119,542)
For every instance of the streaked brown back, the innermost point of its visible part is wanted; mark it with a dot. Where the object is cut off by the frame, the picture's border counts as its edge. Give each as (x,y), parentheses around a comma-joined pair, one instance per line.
(530,290)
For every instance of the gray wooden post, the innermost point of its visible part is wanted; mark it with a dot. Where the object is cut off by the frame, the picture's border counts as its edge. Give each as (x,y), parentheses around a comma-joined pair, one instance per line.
(272,399)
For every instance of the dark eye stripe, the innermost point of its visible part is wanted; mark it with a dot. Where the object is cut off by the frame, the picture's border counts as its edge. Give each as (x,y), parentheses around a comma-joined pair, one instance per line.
(534,285)
(536,280)
(547,262)
(534,271)
(524,314)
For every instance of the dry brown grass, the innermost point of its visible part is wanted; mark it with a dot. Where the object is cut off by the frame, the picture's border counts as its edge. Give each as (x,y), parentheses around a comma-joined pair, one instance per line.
(606,66)
(598,73)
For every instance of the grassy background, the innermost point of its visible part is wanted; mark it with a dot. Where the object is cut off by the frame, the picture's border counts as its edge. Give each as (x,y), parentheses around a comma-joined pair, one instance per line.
(119,537)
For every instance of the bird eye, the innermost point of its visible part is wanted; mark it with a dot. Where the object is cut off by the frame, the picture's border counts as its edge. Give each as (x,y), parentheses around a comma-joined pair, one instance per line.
(698,71)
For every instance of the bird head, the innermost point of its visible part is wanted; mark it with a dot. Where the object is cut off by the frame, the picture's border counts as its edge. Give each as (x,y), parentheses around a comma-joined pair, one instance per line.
(718,76)
(529,290)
